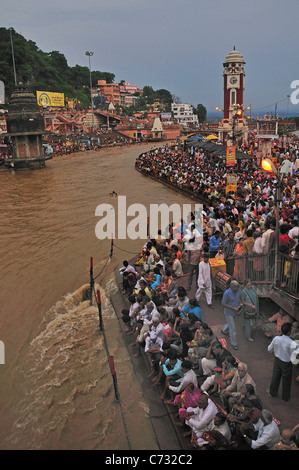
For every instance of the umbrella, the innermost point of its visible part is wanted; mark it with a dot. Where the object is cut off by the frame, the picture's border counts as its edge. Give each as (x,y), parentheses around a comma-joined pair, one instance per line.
(220,151)
(195,143)
(212,137)
(191,136)
(243,156)
(194,138)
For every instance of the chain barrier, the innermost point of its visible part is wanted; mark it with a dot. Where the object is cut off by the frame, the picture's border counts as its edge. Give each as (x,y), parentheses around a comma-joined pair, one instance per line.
(97,295)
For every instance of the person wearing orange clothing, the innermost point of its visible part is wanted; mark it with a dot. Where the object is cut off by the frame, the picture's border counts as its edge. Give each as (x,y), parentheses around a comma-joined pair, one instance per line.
(274,329)
(248,242)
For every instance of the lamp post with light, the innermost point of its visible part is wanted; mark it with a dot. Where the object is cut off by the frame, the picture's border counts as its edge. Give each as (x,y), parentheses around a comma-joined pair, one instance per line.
(278,173)
(89,54)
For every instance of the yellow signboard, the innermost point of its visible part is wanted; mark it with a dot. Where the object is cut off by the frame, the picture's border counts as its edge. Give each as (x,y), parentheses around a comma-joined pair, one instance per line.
(231,187)
(230,156)
(47,98)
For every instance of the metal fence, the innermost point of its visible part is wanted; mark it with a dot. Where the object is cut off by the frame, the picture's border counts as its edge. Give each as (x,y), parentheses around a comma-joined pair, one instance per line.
(261,269)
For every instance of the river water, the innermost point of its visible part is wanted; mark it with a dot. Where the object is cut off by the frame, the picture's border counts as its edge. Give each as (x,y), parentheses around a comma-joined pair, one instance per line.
(56,390)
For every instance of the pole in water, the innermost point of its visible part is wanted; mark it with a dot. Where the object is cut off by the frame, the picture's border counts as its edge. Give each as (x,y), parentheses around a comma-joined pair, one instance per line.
(113,373)
(100,310)
(91,279)
(111,248)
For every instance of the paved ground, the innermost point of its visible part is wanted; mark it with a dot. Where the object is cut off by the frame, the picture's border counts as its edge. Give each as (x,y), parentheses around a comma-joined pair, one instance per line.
(257,357)
(255,354)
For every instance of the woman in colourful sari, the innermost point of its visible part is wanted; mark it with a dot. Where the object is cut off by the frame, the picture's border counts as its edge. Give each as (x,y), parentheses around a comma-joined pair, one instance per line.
(188,398)
(157,278)
(166,282)
(239,267)
(250,301)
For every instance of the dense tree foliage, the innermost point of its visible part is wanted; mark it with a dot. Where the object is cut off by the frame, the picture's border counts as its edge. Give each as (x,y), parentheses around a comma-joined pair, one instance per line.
(44,71)
(201,112)
(150,95)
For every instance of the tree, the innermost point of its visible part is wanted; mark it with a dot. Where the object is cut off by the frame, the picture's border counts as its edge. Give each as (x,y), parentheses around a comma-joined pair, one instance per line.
(164,96)
(176,99)
(201,112)
(149,94)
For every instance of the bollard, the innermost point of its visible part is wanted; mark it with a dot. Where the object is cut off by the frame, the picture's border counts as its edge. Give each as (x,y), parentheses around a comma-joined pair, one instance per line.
(111,248)
(91,279)
(113,373)
(100,310)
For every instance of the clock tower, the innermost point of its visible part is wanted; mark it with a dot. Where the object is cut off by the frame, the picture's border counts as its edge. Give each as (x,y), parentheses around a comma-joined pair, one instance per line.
(233,128)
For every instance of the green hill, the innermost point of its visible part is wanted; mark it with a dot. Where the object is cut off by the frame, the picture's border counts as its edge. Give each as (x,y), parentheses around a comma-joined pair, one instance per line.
(44,71)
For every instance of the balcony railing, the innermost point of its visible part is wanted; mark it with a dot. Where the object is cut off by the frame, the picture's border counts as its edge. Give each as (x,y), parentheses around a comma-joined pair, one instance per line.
(260,269)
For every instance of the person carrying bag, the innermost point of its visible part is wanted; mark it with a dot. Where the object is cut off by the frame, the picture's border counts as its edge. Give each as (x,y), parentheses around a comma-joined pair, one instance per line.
(250,301)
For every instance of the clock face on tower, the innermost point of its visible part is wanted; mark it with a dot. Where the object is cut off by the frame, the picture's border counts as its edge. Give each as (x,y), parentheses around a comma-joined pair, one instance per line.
(233,81)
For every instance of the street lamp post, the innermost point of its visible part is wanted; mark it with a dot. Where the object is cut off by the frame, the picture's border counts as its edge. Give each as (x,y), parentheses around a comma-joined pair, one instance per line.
(13,57)
(89,54)
(269,167)
(288,98)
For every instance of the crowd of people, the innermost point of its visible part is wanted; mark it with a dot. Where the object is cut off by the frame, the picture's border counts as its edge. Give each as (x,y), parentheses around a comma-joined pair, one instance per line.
(215,396)
(203,174)
(241,223)
(66,144)
(57,144)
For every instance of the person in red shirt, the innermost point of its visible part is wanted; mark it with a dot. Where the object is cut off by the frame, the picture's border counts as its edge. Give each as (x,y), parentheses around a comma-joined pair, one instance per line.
(285,241)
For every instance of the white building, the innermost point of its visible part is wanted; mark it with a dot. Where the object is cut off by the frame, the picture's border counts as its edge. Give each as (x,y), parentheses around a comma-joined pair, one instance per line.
(183,115)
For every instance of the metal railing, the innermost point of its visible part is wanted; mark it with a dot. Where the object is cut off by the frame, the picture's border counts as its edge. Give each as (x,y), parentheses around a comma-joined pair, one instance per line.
(260,269)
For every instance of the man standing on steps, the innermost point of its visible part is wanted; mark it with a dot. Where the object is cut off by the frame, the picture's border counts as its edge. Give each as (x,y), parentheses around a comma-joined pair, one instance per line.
(194,260)
(232,305)
(205,280)
(283,347)
(193,245)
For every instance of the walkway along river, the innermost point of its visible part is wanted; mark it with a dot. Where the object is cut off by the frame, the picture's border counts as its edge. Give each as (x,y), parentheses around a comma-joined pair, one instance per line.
(56,390)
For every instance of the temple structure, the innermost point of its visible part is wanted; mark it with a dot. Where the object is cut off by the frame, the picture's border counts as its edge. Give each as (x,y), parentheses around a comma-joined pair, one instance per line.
(267,131)
(25,128)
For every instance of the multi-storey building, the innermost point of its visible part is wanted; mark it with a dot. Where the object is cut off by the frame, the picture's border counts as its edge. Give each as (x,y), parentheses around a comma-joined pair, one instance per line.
(110,91)
(183,115)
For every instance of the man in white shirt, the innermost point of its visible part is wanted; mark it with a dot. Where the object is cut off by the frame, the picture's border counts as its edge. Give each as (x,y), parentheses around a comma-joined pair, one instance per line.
(266,241)
(146,316)
(200,418)
(192,238)
(212,225)
(282,347)
(268,432)
(188,377)
(176,266)
(127,268)
(204,281)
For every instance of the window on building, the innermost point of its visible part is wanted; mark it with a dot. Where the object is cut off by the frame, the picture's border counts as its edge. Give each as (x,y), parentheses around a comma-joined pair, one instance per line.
(233,97)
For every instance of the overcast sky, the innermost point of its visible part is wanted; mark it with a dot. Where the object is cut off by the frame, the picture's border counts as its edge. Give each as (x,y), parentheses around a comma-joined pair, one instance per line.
(173,44)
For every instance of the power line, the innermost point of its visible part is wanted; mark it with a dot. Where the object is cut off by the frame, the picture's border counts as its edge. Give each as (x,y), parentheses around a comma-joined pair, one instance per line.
(269,105)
